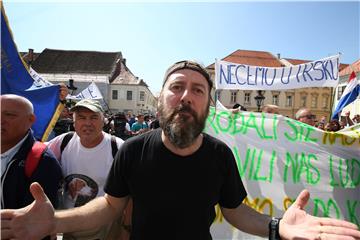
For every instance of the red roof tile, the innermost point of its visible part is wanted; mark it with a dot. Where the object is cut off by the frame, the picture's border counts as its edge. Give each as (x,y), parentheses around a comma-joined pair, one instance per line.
(253,58)
(352,67)
(297,61)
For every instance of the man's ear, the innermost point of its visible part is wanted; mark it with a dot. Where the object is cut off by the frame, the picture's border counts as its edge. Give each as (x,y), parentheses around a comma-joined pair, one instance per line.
(32,118)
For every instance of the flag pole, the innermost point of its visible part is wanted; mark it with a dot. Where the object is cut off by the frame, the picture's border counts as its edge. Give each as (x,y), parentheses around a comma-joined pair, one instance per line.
(332,101)
(333,91)
(107,106)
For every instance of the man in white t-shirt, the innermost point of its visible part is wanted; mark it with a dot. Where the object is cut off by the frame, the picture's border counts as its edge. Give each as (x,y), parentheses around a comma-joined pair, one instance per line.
(85,160)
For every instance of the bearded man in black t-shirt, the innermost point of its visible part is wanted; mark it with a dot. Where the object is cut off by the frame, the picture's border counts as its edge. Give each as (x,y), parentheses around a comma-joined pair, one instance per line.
(175,176)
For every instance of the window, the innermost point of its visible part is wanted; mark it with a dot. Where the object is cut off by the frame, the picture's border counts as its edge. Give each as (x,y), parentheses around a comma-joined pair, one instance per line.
(114,94)
(289,101)
(247,98)
(340,91)
(275,100)
(233,97)
(142,96)
(325,101)
(128,95)
(314,101)
(303,101)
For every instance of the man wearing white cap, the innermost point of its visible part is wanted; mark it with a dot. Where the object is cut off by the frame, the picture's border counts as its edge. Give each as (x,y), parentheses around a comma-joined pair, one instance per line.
(85,159)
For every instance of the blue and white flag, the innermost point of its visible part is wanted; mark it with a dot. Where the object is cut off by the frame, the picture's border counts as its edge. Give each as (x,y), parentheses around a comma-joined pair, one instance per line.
(15,79)
(349,95)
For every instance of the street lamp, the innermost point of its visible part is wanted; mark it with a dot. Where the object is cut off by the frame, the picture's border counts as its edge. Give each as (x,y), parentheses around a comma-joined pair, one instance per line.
(71,87)
(259,99)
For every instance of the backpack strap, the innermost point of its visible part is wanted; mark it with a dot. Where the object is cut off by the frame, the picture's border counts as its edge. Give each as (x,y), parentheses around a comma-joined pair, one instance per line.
(114,147)
(33,158)
(65,141)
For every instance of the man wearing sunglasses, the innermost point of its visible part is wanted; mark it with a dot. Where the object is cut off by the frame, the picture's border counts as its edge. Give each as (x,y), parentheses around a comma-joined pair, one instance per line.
(305,115)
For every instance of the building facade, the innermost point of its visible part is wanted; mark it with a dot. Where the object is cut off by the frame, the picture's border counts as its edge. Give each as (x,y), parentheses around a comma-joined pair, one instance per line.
(78,69)
(129,93)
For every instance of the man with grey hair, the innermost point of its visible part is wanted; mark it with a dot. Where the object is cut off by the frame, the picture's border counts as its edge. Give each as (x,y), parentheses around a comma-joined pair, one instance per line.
(86,156)
(176,175)
(305,115)
(270,108)
(17,141)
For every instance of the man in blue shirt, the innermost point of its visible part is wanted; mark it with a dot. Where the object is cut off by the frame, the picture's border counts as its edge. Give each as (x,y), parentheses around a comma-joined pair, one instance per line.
(140,126)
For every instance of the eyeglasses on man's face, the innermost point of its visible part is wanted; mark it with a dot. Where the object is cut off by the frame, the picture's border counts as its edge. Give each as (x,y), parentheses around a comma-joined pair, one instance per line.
(309,116)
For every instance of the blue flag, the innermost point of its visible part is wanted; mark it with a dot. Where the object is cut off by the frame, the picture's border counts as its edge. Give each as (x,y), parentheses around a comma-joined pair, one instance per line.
(15,79)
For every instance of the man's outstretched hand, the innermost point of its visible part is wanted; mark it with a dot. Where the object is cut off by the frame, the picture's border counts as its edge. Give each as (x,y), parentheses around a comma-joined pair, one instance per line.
(32,222)
(297,224)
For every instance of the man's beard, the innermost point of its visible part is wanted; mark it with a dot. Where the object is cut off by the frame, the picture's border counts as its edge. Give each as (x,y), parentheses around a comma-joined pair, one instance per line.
(179,128)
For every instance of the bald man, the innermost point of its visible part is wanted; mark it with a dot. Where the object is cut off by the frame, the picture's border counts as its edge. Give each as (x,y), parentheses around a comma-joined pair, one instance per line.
(17,117)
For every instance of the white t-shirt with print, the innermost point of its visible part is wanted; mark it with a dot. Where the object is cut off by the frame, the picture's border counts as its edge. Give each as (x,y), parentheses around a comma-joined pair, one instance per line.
(85,169)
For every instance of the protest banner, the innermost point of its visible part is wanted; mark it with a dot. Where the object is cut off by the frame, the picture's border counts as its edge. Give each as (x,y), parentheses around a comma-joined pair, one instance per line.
(320,73)
(39,82)
(277,157)
(91,92)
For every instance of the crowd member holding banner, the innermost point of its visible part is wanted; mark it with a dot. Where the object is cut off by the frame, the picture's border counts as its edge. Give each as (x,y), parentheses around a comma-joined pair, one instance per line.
(23,159)
(305,115)
(347,120)
(175,175)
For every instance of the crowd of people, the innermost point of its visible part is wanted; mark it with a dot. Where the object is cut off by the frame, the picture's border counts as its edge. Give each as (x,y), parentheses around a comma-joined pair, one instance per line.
(119,124)
(161,174)
(305,115)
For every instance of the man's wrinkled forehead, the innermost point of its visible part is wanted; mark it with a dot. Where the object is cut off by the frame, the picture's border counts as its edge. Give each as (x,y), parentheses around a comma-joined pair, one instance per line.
(189,65)
(185,76)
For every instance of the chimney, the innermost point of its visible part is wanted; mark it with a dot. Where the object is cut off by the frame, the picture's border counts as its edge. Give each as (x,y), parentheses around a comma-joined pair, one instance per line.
(30,56)
(124,61)
(278,55)
(118,66)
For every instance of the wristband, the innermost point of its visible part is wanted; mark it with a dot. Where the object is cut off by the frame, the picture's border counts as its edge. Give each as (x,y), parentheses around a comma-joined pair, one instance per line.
(274,229)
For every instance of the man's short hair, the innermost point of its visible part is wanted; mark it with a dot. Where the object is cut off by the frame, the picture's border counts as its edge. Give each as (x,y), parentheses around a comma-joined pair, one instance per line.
(300,111)
(187,64)
(270,108)
(241,107)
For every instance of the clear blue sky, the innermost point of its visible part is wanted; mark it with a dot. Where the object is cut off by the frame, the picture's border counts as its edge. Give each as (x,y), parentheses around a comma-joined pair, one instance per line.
(152,36)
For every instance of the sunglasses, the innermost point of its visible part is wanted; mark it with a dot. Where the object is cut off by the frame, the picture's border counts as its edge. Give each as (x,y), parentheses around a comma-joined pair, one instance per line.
(309,116)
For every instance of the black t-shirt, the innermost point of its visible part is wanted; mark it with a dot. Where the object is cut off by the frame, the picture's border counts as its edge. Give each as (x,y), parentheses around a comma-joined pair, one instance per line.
(155,124)
(174,196)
